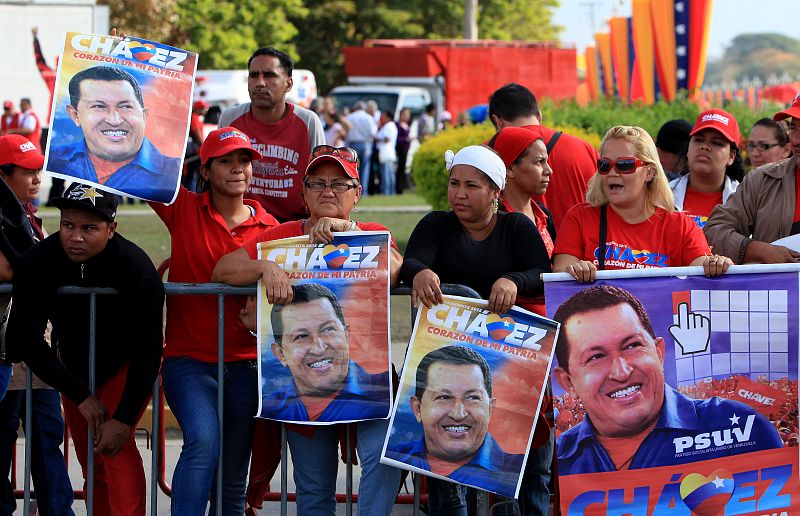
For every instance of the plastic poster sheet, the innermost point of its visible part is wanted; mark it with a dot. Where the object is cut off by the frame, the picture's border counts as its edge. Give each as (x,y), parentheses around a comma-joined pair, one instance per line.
(325,357)
(679,394)
(120,115)
(470,394)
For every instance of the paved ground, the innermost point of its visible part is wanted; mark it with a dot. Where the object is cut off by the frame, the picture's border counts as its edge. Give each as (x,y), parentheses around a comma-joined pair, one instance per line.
(173,446)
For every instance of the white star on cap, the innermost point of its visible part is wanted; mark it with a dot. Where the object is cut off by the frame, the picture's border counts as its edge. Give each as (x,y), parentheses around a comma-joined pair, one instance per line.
(734,420)
(89,192)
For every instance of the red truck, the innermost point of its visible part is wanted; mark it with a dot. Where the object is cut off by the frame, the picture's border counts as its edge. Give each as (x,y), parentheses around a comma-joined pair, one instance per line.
(460,74)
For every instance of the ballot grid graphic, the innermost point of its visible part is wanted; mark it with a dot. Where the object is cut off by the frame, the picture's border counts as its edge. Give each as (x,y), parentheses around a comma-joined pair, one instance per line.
(749,335)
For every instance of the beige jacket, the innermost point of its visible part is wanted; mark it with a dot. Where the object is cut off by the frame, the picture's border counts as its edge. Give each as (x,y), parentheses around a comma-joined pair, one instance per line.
(762,209)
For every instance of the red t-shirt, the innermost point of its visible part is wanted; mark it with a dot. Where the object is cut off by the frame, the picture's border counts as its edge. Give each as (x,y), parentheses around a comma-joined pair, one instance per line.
(699,205)
(574,162)
(666,239)
(796,218)
(286,146)
(295,229)
(200,238)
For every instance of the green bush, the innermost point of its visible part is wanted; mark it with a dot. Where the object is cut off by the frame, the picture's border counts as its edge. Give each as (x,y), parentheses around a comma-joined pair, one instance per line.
(429,172)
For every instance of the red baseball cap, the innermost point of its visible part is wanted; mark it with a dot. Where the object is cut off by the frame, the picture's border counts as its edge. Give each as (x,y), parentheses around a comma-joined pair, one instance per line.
(792,112)
(8,105)
(17,150)
(199,104)
(350,167)
(719,120)
(224,140)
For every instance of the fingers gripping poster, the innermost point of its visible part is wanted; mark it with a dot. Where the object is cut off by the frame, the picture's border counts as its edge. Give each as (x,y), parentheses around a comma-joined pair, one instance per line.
(120,115)
(325,356)
(470,394)
(677,395)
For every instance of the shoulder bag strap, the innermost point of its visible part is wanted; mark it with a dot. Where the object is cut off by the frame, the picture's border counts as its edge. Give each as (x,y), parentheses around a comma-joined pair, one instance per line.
(601,249)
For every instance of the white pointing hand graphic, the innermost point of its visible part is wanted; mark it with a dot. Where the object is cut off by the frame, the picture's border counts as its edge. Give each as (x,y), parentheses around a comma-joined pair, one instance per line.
(693,331)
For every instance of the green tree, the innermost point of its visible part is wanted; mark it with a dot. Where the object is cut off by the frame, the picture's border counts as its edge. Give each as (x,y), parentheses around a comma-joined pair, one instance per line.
(755,55)
(149,19)
(518,20)
(226,33)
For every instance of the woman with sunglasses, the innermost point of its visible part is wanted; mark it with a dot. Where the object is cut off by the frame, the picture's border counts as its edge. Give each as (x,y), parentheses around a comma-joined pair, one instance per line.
(629,192)
(715,166)
(205,226)
(495,253)
(768,142)
(330,191)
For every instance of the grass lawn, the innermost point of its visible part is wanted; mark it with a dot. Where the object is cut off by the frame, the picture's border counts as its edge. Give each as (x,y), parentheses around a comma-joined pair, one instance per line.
(140,225)
(404,199)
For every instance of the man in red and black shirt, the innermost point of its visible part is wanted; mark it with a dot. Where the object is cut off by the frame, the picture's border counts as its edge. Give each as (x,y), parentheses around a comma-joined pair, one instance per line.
(284,134)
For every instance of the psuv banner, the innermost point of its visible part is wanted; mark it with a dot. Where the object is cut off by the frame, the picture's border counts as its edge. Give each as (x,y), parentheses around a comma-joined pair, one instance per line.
(677,395)
(470,394)
(325,357)
(120,116)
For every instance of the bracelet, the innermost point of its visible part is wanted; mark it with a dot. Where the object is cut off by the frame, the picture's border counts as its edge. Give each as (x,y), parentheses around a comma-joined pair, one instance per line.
(254,334)
(353,226)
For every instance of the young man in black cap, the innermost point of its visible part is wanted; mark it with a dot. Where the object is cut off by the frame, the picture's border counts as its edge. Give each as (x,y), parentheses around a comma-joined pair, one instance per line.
(87,252)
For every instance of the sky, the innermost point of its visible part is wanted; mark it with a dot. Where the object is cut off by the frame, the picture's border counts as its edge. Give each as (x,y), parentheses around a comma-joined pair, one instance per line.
(729,18)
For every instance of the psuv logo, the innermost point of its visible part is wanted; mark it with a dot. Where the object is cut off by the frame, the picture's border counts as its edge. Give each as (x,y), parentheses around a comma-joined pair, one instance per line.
(484,324)
(326,257)
(624,257)
(127,48)
(718,438)
(699,220)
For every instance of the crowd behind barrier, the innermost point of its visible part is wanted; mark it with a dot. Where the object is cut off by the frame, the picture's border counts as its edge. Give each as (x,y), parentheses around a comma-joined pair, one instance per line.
(157,439)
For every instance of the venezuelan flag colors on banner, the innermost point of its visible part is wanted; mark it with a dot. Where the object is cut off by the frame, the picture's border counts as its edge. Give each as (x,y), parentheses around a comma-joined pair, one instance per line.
(660,50)
(677,395)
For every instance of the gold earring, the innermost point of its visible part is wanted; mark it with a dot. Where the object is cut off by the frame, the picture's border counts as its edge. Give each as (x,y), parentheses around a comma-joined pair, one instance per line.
(495,205)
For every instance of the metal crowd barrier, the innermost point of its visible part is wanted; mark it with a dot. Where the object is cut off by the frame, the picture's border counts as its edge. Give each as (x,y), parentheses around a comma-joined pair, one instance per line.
(158,461)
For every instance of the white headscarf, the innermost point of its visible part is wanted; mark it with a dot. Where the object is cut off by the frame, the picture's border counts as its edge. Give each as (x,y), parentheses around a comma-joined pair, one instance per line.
(481,158)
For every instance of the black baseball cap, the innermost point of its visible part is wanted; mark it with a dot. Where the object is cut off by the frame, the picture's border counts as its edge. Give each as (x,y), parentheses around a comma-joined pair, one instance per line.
(674,136)
(88,198)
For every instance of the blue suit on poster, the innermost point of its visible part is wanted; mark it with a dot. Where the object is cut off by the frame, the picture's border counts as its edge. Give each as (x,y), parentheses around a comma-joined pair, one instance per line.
(491,467)
(363,396)
(150,175)
(687,431)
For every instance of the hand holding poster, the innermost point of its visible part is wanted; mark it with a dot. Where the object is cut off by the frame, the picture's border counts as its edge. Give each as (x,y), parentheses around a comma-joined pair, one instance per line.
(121,115)
(677,395)
(325,357)
(470,394)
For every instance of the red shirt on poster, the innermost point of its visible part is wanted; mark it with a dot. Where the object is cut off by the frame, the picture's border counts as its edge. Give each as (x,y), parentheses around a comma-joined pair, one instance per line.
(666,239)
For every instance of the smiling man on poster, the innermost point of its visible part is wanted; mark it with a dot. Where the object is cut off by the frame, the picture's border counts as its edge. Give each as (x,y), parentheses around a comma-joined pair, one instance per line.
(611,359)
(453,402)
(107,104)
(312,340)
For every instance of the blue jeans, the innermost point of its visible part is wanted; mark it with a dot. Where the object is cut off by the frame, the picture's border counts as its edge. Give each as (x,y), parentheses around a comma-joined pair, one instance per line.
(364,150)
(388,178)
(315,461)
(50,478)
(5,378)
(190,388)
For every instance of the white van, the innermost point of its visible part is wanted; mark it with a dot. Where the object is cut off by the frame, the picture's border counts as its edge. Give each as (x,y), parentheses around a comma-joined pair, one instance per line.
(389,98)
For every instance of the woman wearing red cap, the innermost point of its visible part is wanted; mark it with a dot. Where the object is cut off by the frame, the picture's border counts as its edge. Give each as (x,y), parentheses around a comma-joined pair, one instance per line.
(331,190)
(205,226)
(495,253)
(629,220)
(527,174)
(715,166)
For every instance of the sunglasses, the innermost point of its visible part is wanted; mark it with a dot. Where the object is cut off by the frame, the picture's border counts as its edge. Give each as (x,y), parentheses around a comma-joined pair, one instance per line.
(760,146)
(346,153)
(626,165)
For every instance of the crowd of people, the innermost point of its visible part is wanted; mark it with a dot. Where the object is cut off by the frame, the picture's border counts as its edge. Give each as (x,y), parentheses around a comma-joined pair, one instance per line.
(531,200)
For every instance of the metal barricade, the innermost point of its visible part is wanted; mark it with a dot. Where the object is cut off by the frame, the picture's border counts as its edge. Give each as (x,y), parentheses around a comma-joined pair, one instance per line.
(158,461)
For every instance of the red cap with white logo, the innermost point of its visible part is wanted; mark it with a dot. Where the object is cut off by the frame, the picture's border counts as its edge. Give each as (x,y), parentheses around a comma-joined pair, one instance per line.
(719,120)
(17,150)
(792,112)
